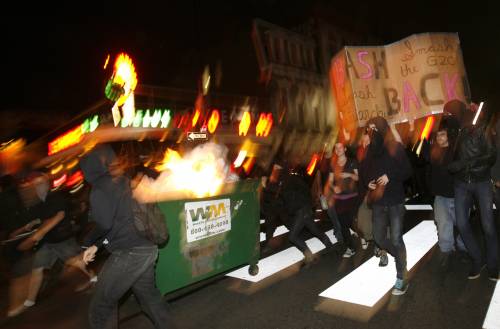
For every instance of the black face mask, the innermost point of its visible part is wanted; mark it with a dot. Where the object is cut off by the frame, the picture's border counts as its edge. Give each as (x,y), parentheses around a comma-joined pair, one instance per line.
(376,143)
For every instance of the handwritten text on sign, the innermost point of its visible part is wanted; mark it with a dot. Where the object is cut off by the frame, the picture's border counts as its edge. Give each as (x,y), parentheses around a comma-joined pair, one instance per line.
(402,81)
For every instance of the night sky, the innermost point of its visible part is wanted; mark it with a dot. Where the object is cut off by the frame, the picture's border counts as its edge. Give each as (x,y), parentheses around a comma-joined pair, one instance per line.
(54,64)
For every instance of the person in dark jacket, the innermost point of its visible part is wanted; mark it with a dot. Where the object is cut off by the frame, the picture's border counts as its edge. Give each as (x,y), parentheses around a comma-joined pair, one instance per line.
(132,260)
(474,156)
(54,238)
(440,155)
(297,200)
(495,170)
(383,172)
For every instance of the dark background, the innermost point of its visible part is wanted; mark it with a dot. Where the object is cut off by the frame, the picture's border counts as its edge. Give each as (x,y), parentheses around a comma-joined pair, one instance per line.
(53,64)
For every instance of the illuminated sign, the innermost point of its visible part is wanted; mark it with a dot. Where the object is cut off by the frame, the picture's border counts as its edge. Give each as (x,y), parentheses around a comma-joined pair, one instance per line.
(157,118)
(245,122)
(120,89)
(90,124)
(213,122)
(70,138)
(74,179)
(74,136)
(58,182)
(264,125)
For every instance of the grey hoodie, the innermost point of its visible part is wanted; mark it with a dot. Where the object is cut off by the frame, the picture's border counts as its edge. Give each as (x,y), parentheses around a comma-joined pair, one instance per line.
(110,203)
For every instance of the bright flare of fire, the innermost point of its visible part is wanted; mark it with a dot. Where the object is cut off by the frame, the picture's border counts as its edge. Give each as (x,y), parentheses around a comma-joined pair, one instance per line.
(200,173)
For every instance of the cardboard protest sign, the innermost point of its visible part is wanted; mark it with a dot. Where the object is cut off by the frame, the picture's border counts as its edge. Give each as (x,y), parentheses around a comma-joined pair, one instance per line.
(402,81)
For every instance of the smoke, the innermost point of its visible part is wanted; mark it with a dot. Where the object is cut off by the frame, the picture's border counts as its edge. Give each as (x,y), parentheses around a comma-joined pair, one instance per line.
(201,172)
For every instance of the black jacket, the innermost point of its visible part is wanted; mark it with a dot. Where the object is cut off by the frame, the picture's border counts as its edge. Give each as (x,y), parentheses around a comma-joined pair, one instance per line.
(390,160)
(439,179)
(474,156)
(110,204)
(296,194)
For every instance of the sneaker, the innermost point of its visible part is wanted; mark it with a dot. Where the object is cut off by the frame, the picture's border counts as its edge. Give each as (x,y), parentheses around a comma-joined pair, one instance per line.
(445,258)
(493,275)
(86,285)
(384,260)
(364,244)
(349,253)
(400,287)
(309,258)
(20,309)
(475,272)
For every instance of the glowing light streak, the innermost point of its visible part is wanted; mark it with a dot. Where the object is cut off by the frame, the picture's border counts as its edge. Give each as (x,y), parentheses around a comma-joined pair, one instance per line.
(56,169)
(312,164)
(58,182)
(245,122)
(213,122)
(264,125)
(75,178)
(240,158)
(477,113)
(66,140)
(125,76)
(429,123)
(106,62)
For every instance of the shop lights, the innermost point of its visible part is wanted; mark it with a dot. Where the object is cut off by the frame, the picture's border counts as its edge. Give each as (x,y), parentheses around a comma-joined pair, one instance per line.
(245,122)
(213,122)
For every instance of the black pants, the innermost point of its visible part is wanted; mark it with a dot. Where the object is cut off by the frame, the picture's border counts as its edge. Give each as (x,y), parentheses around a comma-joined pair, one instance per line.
(304,218)
(128,269)
(274,217)
(346,210)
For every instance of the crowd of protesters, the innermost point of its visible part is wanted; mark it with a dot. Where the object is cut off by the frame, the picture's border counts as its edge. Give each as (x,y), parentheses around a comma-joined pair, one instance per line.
(366,182)
(361,186)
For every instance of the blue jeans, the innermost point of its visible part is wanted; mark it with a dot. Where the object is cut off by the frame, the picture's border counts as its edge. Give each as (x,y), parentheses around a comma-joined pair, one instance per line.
(482,191)
(383,217)
(444,214)
(125,269)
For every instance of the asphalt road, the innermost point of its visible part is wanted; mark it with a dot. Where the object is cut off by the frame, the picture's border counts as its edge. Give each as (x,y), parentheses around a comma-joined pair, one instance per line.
(437,298)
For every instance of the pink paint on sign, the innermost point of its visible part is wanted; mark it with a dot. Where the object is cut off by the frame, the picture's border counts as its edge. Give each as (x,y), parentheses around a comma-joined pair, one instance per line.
(369,73)
(409,95)
(450,86)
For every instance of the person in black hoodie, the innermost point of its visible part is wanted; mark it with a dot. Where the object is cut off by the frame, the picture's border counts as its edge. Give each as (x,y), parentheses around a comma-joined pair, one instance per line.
(383,172)
(297,200)
(474,156)
(440,155)
(132,260)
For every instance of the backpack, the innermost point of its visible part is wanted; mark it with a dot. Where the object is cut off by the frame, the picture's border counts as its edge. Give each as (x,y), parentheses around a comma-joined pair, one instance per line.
(150,222)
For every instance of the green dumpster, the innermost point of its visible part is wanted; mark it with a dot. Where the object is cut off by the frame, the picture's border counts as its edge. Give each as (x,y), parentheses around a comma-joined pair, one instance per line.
(209,236)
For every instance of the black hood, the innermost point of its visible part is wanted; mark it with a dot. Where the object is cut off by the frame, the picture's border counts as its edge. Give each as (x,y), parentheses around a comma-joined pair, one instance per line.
(381,124)
(96,163)
(451,125)
(378,137)
(458,110)
(376,147)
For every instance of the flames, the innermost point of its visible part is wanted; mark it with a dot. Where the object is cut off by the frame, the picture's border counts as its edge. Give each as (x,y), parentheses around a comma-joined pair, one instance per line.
(199,173)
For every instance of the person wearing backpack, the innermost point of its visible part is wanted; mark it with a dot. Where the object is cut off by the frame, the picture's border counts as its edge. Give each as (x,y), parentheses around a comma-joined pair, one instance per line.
(131,264)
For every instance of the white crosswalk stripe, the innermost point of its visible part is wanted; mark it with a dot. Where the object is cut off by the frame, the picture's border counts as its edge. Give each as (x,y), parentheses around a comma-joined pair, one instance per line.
(279,261)
(368,283)
(492,320)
